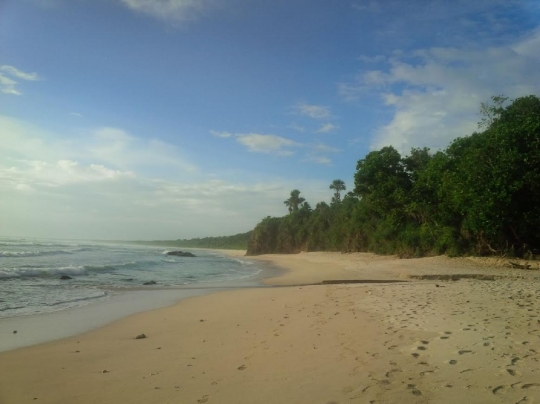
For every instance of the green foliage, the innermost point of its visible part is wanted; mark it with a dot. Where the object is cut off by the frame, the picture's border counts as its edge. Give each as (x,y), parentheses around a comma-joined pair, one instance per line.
(235,242)
(481,195)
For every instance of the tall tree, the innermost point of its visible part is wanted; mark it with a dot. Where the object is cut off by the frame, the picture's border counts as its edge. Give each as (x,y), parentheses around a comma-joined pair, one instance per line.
(294,202)
(337,186)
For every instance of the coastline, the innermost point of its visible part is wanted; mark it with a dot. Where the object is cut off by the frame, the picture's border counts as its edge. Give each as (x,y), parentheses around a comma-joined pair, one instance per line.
(415,342)
(47,327)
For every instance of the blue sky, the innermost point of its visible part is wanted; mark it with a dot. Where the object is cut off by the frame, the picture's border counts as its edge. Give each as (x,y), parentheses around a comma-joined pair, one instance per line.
(124,119)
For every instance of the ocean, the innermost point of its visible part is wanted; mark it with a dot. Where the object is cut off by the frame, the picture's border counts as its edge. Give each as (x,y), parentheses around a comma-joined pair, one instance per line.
(30,272)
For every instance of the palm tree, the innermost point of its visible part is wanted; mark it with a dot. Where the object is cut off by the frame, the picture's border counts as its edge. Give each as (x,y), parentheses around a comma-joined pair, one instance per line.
(337,186)
(294,201)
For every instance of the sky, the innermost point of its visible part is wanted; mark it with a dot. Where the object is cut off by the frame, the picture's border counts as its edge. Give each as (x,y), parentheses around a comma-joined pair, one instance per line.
(167,119)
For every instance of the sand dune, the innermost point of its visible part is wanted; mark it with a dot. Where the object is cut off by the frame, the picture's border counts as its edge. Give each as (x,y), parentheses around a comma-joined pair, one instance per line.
(419,341)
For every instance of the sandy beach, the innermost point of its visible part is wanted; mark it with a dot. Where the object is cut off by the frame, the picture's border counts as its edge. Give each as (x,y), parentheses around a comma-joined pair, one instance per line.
(449,331)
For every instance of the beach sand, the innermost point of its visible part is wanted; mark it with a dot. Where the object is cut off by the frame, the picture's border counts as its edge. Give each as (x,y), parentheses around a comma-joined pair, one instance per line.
(422,340)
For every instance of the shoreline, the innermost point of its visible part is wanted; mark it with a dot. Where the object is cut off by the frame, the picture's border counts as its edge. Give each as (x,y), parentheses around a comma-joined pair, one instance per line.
(25,331)
(422,341)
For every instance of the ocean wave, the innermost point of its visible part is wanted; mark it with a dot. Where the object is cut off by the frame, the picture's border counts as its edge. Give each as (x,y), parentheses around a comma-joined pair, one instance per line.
(79,299)
(71,270)
(40,244)
(247,263)
(39,253)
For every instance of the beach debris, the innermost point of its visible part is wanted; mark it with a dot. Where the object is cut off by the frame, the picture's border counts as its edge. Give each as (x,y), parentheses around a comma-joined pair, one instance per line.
(140,336)
(201,320)
(181,253)
(243,367)
(65,277)
(14,331)
(150,283)
(520,266)
(104,371)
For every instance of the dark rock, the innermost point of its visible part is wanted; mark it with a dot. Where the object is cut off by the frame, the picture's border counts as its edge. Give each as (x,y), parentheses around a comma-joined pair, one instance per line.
(150,283)
(181,254)
(140,336)
(65,277)
(15,332)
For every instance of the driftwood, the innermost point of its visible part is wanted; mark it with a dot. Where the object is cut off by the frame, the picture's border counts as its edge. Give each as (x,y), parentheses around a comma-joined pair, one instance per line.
(520,266)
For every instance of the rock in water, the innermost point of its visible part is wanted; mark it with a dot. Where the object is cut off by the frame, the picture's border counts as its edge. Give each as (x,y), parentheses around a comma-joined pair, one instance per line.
(150,283)
(65,277)
(181,254)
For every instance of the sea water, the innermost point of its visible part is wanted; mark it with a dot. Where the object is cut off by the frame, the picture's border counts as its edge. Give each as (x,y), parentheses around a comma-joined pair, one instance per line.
(30,272)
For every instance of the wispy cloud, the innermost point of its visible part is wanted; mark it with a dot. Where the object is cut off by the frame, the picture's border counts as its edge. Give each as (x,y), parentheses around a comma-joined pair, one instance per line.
(84,197)
(319,160)
(367,6)
(31,173)
(372,59)
(313,111)
(8,85)
(270,144)
(327,128)
(221,134)
(436,97)
(13,71)
(296,127)
(179,10)
(318,153)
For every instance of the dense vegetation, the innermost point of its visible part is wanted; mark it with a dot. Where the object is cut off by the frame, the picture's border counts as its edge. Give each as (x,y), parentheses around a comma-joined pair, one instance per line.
(235,242)
(481,195)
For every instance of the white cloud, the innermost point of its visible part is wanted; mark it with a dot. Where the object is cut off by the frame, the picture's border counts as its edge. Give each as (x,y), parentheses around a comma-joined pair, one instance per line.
(120,149)
(76,114)
(221,134)
(327,128)
(29,174)
(14,72)
(436,98)
(271,144)
(180,10)
(8,85)
(53,187)
(313,111)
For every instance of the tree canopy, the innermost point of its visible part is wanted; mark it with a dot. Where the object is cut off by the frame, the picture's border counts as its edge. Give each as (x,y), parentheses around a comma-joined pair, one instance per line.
(480,195)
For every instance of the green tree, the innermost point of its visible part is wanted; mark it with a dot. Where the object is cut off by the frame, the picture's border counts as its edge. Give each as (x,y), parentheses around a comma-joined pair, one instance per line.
(294,202)
(337,186)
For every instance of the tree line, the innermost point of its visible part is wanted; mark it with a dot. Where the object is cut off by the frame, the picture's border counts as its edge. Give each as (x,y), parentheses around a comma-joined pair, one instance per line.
(479,196)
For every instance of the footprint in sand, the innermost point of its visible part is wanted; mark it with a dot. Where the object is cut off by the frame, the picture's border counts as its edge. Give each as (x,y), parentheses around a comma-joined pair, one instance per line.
(530,386)
(414,390)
